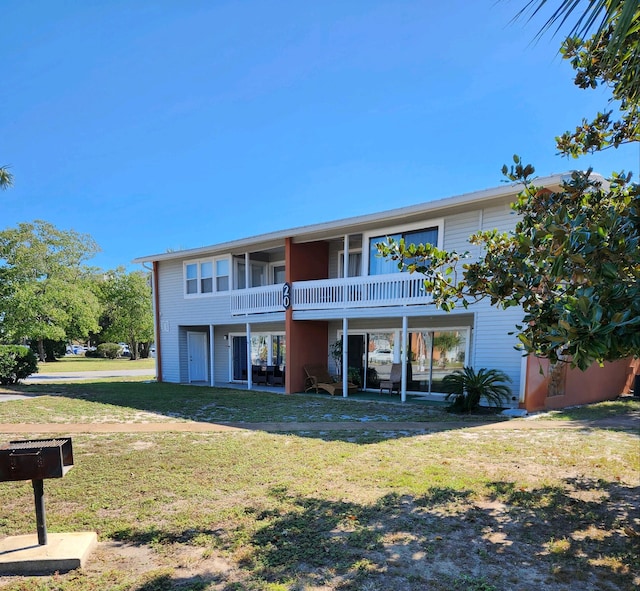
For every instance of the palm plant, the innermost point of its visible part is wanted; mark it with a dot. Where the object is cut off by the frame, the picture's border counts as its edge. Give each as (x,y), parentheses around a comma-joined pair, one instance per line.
(6,178)
(468,388)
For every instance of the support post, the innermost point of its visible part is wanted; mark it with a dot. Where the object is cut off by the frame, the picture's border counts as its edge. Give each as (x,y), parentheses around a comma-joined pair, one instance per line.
(38,495)
(345,357)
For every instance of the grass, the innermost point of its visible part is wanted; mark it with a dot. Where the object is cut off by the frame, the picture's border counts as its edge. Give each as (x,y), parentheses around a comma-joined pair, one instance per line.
(476,510)
(79,363)
(131,400)
(602,410)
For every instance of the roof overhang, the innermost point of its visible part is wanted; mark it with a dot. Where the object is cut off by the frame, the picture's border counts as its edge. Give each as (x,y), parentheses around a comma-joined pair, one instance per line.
(353,225)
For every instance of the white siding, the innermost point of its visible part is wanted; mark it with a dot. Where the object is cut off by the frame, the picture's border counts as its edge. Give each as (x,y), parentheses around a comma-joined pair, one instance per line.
(491,345)
(179,314)
(458,228)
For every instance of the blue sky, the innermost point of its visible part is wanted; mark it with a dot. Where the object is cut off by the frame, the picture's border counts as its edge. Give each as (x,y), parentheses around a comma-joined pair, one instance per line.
(155,125)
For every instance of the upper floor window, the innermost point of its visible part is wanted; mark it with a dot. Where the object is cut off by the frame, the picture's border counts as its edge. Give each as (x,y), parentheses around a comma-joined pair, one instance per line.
(381,266)
(279,274)
(355,264)
(199,276)
(222,275)
(257,274)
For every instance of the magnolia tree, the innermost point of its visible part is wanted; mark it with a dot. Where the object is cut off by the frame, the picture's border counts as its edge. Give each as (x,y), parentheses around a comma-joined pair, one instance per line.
(573,261)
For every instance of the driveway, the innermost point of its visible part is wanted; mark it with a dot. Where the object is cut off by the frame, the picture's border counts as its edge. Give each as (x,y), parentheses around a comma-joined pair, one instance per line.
(47,378)
(52,378)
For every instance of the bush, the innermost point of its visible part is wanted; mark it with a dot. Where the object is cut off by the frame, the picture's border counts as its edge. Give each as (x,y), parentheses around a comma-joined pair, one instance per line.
(92,353)
(16,363)
(468,388)
(109,350)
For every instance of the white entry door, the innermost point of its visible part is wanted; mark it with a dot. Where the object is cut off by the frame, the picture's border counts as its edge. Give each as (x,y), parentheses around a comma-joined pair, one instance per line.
(197,352)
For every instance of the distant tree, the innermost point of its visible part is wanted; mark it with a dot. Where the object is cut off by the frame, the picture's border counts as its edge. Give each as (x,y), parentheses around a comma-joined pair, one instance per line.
(127,310)
(6,178)
(44,287)
(444,342)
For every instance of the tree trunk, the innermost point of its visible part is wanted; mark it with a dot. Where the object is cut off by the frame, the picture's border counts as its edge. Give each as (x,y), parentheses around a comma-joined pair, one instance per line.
(41,353)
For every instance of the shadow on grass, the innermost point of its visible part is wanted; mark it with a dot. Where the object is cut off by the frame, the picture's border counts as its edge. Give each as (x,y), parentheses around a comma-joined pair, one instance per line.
(276,412)
(578,535)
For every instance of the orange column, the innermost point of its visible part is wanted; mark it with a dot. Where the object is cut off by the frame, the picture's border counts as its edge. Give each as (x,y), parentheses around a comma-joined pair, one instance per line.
(307,341)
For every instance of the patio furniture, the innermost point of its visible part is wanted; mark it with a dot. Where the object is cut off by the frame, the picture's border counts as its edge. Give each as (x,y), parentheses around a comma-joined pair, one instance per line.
(276,375)
(395,379)
(318,378)
(259,374)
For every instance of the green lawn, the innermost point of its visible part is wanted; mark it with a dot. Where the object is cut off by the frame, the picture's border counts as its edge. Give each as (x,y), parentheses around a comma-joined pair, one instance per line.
(79,363)
(460,509)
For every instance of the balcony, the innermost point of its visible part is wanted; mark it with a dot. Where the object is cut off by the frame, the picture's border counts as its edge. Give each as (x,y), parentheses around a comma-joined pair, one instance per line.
(395,289)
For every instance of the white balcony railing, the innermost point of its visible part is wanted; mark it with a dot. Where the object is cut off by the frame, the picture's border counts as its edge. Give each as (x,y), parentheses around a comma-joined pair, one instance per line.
(257,300)
(395,289)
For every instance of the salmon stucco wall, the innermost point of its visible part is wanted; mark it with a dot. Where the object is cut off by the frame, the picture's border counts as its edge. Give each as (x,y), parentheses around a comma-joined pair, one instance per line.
(307,341)
(570,387)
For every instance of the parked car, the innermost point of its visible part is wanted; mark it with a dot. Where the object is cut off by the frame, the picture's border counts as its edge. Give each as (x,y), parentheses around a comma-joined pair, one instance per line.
(381,356)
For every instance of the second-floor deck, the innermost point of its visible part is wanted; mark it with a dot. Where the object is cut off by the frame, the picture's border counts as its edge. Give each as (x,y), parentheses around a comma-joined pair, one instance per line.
(396,289)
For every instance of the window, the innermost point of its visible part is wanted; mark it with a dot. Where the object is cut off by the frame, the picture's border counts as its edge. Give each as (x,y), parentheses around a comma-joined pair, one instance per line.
(191,276)
(355,264)
(222,275)
(257,273)
(206,277)
(199,277)
(381,266)
(279,275)
(239,279)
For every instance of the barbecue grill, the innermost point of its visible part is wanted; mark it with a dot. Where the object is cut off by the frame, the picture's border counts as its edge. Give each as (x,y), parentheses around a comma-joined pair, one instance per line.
(35,460)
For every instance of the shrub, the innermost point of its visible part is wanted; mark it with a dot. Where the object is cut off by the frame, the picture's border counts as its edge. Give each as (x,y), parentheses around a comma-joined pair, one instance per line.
(92,353)
(468,388)
(109,350)
(16,363)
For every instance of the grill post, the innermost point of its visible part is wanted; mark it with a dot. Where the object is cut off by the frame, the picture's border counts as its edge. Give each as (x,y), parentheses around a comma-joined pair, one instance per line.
(41,517)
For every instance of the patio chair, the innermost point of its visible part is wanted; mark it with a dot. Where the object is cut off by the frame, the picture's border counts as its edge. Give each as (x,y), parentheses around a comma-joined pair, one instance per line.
(395,379)
(258,374)
(318,378)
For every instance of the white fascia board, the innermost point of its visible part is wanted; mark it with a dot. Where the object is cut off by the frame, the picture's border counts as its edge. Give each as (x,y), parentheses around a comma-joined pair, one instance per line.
(353,224)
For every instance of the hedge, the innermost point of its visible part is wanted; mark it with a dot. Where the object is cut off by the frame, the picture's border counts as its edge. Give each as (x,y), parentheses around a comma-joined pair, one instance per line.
(109,350)
(16,363)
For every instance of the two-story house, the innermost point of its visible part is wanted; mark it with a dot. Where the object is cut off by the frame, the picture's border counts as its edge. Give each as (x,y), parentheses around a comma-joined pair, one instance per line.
(256,310)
